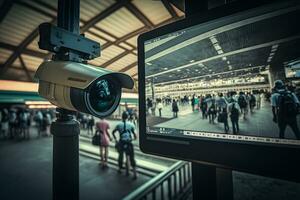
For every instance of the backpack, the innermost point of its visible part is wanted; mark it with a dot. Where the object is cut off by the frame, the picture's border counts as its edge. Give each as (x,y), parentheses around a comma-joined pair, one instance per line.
(287,107)
(125,134)
(242,101)
(234,111)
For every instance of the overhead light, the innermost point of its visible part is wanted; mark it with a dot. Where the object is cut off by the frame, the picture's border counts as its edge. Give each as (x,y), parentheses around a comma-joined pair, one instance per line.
(213,39)
(149,63)
(275,46)
(178,70)
(165,68)
(229,67)
(217,46)
(273,50)
(272,53)
(220,51)
(192,61)
(224,58)
(228,62)
(201,65)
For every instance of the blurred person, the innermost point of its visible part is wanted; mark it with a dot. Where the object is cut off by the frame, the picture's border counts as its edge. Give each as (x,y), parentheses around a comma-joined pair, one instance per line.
(125,129)
(258,97)
(149,105)
(175,108)
(243,105)
(102,127)
(221,102)
(84,121)
(159,107)
(90,125)
(47,122)
(212,112)
(234,111)
(203,106)
(23,122)
(193,102)
(38,118)
(223,118)
(4,123)
(12,122)
(252,102)
(285,108)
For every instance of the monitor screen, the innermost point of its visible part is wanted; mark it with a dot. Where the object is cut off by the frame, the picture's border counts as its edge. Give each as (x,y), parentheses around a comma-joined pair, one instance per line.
(228,79)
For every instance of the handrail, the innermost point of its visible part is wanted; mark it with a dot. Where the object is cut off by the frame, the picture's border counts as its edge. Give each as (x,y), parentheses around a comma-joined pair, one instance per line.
(180,180)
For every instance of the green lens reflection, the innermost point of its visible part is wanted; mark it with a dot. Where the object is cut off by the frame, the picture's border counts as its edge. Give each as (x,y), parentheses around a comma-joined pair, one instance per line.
(103,95)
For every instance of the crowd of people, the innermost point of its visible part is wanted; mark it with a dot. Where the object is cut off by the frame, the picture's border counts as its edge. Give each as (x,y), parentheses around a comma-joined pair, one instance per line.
(16,122)
(20,123)
(235,106)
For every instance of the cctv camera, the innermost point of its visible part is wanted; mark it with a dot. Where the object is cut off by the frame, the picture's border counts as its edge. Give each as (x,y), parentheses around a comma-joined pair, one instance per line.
(82,87)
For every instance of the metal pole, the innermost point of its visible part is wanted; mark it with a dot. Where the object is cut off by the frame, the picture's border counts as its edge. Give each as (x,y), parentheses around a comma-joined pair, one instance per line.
(65,174)
(68,19)
(204,182)
(65,130)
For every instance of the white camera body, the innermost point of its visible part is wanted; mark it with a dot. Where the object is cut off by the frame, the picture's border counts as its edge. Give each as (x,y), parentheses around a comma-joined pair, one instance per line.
(81,87)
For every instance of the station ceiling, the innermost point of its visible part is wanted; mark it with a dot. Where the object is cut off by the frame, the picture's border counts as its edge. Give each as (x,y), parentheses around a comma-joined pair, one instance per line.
(114,24)
(238,49)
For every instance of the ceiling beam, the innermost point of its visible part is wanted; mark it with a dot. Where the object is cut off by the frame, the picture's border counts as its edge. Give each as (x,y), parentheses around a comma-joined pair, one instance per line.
(46,5)
(128,67)
(5,8)
(133,75)
(19,49)
(126,37)
(106,64)
(36,9)
(138,14)
(25,68)
(25,51)
(102,15)
(170,9)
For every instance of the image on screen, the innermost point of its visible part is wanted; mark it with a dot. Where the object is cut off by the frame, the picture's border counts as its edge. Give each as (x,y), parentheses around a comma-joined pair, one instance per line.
(236,77)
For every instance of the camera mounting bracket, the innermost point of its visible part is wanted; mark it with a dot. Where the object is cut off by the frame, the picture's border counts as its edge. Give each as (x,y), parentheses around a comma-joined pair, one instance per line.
(62,42)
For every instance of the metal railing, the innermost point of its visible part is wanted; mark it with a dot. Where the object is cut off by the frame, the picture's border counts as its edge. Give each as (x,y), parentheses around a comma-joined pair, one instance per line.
(173,183)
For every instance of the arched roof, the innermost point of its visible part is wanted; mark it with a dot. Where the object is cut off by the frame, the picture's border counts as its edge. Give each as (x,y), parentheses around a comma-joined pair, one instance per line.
(114,24)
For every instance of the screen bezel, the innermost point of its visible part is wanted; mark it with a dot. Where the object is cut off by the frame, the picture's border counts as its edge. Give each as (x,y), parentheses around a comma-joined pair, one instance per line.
(274,160)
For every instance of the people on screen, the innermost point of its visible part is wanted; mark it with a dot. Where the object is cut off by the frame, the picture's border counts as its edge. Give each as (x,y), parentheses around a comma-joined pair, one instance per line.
(285,107)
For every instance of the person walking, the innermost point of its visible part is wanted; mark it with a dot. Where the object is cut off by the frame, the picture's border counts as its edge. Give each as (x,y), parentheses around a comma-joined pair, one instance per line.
(243,104)
(102,127)
(175,108)
(90,125)
(159,107)
(285,107)
(234,110)
(125,129)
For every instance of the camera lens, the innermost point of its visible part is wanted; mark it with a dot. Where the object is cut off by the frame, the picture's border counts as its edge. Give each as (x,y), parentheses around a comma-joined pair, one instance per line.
(103,94)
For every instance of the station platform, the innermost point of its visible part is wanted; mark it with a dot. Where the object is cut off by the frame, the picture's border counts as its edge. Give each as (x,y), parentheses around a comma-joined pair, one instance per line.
(26,173)
(258,123)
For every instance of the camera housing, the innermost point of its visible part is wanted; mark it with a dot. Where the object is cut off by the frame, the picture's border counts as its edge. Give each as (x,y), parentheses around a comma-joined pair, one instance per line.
(82,87)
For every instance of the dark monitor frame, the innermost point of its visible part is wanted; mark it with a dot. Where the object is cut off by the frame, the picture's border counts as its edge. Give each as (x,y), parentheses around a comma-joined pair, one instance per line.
(273,160)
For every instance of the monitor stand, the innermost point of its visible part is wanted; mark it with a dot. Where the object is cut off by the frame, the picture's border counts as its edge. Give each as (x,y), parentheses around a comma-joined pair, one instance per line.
(210,182)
